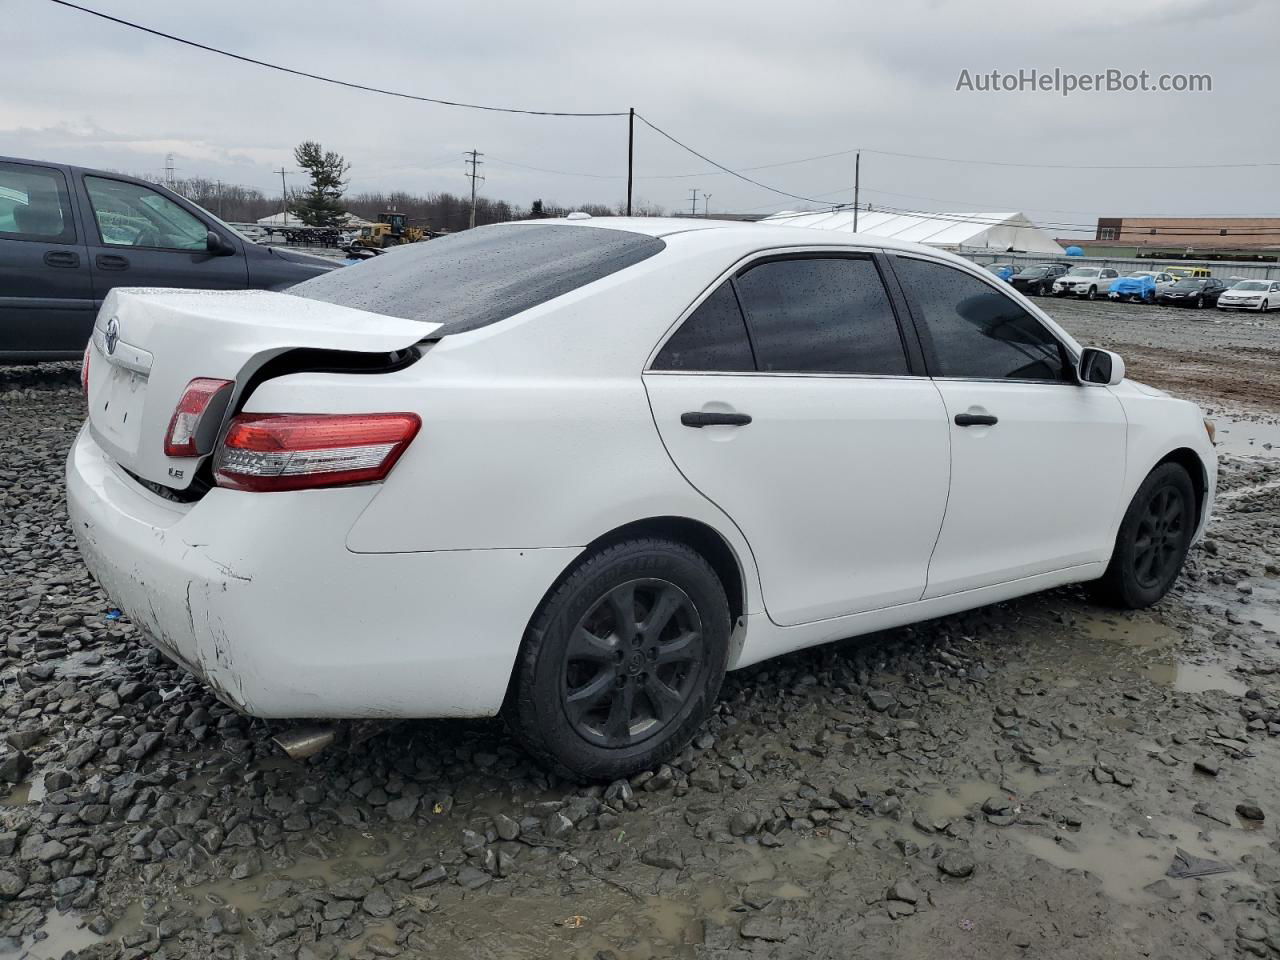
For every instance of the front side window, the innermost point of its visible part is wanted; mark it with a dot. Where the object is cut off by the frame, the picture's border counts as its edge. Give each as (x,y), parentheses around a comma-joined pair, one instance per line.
(712,338)
(131,215)
(34,204)
(821,315)
(977,331)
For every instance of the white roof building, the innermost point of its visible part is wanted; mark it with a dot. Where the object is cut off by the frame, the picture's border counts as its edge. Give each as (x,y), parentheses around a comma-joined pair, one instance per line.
(278,220)
(991,232)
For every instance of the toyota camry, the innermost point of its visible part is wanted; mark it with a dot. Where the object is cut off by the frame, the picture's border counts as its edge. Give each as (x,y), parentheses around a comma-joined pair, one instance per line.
(572,471)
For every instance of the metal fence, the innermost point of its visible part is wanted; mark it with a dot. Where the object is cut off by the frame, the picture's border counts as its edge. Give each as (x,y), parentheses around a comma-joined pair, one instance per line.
(1224,269)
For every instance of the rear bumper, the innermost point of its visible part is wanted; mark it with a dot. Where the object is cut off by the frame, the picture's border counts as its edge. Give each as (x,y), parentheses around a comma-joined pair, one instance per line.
(259,597)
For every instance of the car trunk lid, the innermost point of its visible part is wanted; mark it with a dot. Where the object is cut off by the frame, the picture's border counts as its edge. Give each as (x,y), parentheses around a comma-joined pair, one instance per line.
(147,345)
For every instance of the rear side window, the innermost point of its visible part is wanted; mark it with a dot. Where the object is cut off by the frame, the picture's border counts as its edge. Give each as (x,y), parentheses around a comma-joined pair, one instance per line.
(821,315)
(34,204)
(713,338)
(976,330)
(472,279)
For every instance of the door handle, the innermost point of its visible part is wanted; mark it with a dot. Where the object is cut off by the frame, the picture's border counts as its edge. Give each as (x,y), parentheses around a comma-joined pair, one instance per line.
(111,261)
(699,419)
(62,258)
(976,420)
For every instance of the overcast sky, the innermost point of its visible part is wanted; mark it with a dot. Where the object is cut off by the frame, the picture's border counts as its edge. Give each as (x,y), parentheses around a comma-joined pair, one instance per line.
(746,83)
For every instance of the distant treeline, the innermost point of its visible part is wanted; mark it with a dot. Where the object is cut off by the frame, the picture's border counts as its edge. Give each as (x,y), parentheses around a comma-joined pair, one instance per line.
(438,211)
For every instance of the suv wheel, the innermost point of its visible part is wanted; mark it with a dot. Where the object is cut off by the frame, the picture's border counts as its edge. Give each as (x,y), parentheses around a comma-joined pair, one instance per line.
(622,662)
(1153,540)
(1093,293)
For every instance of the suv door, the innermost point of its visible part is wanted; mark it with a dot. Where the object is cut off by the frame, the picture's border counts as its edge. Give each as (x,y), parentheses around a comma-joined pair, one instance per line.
(786,397)
(46,301)
(1037,459)
(143,238)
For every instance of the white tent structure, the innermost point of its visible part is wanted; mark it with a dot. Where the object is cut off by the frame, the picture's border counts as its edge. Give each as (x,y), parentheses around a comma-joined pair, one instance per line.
(959,232)
(278,220)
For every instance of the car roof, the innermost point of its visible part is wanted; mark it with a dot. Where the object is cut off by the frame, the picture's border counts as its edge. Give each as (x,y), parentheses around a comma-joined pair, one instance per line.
(748,235)
(72,168)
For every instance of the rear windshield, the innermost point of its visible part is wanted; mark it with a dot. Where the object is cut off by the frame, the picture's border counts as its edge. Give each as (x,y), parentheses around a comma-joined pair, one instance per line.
(469,280)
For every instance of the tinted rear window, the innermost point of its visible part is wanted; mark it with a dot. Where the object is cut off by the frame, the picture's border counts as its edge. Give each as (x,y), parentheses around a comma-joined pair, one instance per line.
(472,279)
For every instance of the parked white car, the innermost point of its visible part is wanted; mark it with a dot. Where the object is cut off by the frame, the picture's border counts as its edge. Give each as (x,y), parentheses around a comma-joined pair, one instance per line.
(1085,282)
(1260,295)
(572,471)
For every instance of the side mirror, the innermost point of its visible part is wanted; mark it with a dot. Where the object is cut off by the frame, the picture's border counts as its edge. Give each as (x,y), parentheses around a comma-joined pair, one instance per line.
(1101,367)
(217,245)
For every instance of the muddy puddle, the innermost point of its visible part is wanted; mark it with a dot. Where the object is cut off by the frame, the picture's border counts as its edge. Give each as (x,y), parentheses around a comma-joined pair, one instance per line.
(1247,438)
(31,791)
(62,933)
(1136,632)
(942,804)
(1126,860)
(1195,678)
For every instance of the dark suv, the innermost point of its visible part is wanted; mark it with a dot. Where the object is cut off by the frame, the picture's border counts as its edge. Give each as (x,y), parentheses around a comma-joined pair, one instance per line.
(68,235)
(1037,280)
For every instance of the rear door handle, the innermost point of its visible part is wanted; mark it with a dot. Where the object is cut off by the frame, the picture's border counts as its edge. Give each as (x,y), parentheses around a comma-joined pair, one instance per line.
(111,261)
(699,419)
(976,420)
(62,258)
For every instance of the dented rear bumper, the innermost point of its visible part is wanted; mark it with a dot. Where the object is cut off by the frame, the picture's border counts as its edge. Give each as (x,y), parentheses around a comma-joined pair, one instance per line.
(258,595)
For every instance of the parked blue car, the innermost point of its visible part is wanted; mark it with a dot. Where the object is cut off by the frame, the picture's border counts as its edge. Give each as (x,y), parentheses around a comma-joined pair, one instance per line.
(1004,271)
(1141,289)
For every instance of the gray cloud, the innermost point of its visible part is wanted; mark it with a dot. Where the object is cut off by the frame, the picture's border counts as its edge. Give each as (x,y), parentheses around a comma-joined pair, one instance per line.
(746,82)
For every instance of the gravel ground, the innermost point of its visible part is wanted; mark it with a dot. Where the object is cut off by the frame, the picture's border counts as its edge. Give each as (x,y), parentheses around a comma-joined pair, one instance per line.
(1015,781)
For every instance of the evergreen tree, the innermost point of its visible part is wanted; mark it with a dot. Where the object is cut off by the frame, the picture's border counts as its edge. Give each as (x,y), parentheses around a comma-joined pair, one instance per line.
(321,204)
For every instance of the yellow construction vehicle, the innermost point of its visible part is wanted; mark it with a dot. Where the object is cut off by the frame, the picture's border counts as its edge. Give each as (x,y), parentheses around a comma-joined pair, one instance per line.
(391,230)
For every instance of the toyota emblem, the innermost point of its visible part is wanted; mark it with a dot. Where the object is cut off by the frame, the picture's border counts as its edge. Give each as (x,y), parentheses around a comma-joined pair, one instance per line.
(112,336)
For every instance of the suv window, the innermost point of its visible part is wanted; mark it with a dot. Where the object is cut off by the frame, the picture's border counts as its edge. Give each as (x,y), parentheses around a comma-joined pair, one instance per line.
(976,330)
(712,338)
(821,315)
(34,204)
(131,215)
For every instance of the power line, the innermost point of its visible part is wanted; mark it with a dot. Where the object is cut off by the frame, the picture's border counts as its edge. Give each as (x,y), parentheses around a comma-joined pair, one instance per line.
(1078,166)
(315,76)
(721,166)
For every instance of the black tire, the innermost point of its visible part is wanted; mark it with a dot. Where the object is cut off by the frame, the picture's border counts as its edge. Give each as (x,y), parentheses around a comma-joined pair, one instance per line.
(1152,542)
(1200,302)
(1266,306)
(576,674)
(1092,294)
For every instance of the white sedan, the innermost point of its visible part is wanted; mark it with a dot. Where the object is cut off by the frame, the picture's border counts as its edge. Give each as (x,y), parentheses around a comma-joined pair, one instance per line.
(1260,295)
(1085,282)
(572,471)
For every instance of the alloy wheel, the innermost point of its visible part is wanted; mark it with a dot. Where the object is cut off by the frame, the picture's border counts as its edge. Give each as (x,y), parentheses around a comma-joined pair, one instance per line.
(1158,542)
(633,662)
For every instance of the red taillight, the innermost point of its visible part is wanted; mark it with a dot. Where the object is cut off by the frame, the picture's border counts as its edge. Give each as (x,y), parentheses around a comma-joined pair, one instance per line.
(295,451)
(203,395)
(84,370)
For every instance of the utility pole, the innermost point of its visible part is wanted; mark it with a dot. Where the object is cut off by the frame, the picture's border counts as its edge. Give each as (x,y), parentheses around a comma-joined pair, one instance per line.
(706,204)
(219,188)
(693,202)
(631,153)
(857,177)
(475,162)
(284,194)
(169,171)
